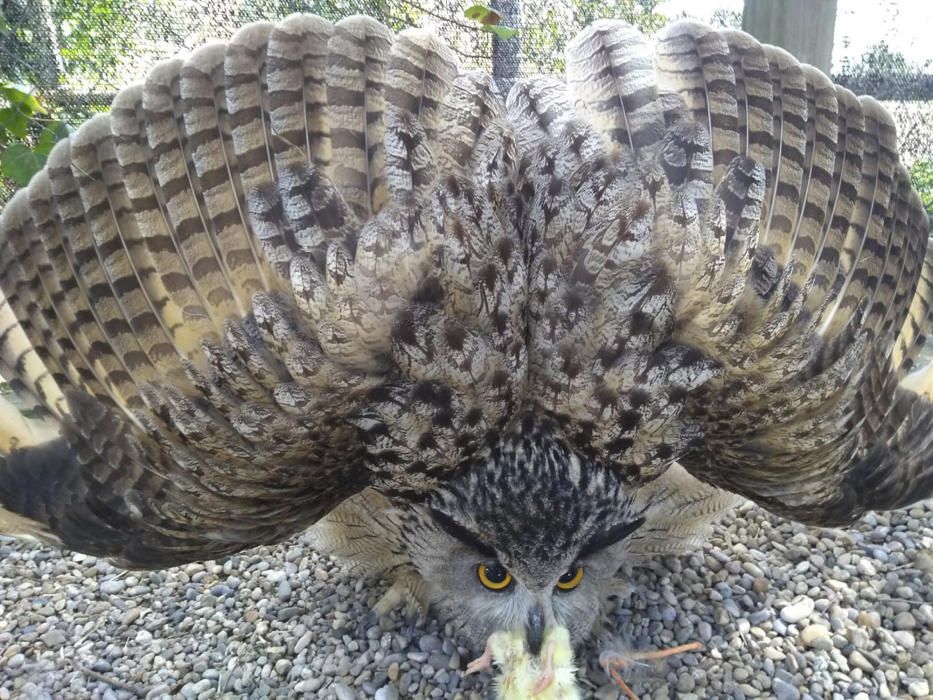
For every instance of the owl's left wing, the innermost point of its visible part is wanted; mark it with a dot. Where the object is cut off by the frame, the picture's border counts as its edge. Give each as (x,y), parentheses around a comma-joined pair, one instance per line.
(277,272)
(729,268)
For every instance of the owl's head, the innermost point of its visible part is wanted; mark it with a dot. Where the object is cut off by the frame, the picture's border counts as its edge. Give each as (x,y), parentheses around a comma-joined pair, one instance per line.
(527,538)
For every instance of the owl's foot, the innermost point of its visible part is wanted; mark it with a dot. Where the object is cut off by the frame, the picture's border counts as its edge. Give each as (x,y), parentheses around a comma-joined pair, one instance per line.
(613,662)
(546,679)
(408,589)
(483,662)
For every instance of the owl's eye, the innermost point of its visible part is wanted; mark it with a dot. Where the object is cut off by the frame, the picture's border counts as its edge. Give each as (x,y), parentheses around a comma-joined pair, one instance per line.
(571,578)
(494,576)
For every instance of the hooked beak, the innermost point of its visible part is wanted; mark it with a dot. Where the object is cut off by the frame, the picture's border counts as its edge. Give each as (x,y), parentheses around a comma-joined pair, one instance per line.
(534,629)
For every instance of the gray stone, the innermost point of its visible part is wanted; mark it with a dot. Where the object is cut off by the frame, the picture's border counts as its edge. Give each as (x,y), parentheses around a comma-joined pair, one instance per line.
(784,690)
(112,586)
(905,621)
(387,692)
(343,692)
(54,638)
(905,639)
(686,683)
(816,637)
(859,660)
(607,692)
(799,609)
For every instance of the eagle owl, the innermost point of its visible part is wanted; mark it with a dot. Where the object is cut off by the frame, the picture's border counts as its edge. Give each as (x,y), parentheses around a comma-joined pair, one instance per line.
(498,348)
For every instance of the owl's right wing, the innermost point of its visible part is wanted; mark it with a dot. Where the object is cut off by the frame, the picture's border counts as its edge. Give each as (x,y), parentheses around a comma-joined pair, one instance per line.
(277,272)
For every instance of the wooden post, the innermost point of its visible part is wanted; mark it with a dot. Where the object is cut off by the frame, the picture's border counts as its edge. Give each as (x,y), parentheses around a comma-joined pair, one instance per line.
(805,28)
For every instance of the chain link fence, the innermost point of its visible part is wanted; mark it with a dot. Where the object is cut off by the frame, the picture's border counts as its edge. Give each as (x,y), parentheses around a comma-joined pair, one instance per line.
(78,53)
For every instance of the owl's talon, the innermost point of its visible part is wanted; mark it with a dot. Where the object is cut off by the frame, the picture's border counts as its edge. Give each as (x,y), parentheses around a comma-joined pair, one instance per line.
(481,663)
(412,619)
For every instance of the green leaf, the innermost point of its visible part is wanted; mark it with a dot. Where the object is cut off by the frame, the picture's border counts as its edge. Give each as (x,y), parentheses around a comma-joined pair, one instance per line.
(13,120)
(51,134)
(501,32)
(21,96)
(482,14)
(4,25)
(20,163)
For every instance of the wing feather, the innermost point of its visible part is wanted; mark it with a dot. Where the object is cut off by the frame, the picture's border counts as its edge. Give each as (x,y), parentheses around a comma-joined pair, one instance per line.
(180,302)
(765,303)
(355,74)
(610,71)
(808,409)
(695,61)
(248,312)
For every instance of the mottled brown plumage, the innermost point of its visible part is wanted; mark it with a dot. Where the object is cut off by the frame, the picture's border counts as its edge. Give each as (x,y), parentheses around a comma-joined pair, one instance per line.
(321,261)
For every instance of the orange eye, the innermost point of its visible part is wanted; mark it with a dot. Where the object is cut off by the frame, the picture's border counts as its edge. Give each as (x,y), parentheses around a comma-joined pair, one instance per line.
(494,576)
(571,578)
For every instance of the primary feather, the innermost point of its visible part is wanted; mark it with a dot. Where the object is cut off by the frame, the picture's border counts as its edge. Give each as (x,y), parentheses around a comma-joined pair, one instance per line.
(321,261)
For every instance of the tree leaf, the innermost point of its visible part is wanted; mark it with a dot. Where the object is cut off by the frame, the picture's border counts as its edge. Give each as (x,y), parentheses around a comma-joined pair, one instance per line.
(51,134)
(13,120)
(4,25)
(483,15)
(19,163)
(21,96)
(501,32)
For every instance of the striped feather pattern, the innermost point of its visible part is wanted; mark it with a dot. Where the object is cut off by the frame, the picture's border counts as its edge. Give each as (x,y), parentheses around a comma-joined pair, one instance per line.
(319,258)
(807,407)
(250,285)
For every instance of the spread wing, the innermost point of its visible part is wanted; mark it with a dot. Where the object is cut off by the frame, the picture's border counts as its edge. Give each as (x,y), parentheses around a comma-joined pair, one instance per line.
(744,282)
(275,273)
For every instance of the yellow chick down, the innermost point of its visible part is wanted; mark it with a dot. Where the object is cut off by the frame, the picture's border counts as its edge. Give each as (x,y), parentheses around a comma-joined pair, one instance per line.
(522,672)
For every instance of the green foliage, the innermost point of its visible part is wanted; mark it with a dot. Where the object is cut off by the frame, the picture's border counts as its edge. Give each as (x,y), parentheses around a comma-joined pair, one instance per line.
(94,37)
(394,14)
(879,59)
(727,19)
(26,134)
(642,14)
(921,174)
(489,21)
(19,163)
(543,39)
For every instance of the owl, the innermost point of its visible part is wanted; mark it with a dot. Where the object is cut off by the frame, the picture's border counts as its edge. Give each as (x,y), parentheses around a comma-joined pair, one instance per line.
(495,350)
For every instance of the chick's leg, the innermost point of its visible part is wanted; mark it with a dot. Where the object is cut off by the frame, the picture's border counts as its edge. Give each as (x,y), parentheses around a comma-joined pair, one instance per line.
(613,663)
(483,662)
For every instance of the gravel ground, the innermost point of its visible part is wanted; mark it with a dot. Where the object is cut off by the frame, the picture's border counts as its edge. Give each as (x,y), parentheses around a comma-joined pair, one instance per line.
(784,611)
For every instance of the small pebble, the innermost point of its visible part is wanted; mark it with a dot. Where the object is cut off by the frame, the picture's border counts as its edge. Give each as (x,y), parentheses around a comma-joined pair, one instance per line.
(784,690)
(905,621)
(800,608)
(905,639)
(112,586)
(343,692)
(816,637)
